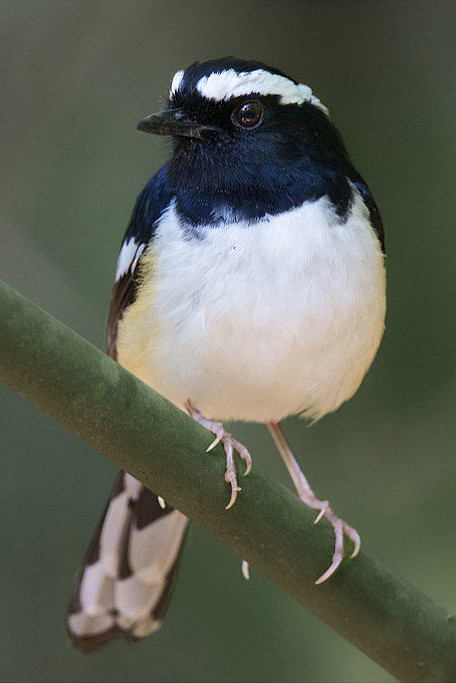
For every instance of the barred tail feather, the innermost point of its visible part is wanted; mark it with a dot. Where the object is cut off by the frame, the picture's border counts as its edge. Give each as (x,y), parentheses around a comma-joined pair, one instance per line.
(126,581)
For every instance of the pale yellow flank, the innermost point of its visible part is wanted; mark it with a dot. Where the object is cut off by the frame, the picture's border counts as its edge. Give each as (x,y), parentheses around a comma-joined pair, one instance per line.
(139,327)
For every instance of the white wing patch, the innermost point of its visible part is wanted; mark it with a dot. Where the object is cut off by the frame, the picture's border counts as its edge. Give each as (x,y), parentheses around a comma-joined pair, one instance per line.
(128,257)
(230,83)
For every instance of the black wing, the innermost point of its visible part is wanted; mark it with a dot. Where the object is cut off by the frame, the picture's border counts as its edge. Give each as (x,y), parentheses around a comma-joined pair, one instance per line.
(126,580)
(151,203)
(374,213)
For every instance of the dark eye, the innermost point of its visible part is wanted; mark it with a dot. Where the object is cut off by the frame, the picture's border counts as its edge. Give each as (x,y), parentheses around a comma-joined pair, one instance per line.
(247,115)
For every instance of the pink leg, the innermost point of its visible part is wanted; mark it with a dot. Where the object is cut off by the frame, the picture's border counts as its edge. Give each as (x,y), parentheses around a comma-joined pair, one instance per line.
(309,498)
(229,444)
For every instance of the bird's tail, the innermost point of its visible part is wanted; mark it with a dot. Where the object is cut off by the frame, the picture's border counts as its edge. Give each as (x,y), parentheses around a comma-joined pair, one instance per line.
(127,577)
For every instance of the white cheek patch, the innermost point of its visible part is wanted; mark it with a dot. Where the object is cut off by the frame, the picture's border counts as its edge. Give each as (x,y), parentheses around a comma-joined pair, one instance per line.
(230,83)
(128,257)
(175,83)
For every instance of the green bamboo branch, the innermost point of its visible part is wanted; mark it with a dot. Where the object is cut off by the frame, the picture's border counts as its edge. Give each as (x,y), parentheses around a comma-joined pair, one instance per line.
(72,381)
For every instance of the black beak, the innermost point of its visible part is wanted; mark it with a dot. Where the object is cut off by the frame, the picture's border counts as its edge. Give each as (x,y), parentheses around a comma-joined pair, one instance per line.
(173,122)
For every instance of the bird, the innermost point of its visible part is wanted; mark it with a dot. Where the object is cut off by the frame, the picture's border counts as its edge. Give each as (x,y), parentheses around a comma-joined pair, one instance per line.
(250,286)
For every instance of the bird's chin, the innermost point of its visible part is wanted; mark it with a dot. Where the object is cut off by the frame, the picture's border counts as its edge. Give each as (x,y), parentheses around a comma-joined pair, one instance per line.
(201,163)
(187,162)
(184,141)
(185,148)
(187,142)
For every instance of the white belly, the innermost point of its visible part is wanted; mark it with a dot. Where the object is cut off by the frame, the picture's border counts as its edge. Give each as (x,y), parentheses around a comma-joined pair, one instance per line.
(259,322)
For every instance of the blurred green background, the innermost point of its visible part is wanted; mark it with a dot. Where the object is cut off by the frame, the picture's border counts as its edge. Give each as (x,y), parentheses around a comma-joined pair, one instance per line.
(75,77)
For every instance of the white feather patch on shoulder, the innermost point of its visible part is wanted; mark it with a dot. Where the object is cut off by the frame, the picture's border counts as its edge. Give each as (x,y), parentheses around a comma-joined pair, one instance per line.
(128,257)
(230,83)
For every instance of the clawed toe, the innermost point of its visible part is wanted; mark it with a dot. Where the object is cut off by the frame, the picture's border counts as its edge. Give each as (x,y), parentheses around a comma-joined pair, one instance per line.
(234,491)
(229,446)
(217,440)
(323,511)
(355,538)
(243,453)
(341,529)
(230,473)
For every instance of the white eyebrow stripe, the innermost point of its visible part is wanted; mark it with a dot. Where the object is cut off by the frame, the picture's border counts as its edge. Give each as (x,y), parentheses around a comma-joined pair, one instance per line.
(175,83)
(230,83)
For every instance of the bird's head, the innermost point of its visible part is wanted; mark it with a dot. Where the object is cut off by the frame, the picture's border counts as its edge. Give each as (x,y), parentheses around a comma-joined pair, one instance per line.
(241,126)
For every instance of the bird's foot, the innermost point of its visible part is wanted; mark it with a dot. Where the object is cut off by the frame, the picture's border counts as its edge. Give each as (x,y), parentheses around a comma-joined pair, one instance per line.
(229,445)
(341,529)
